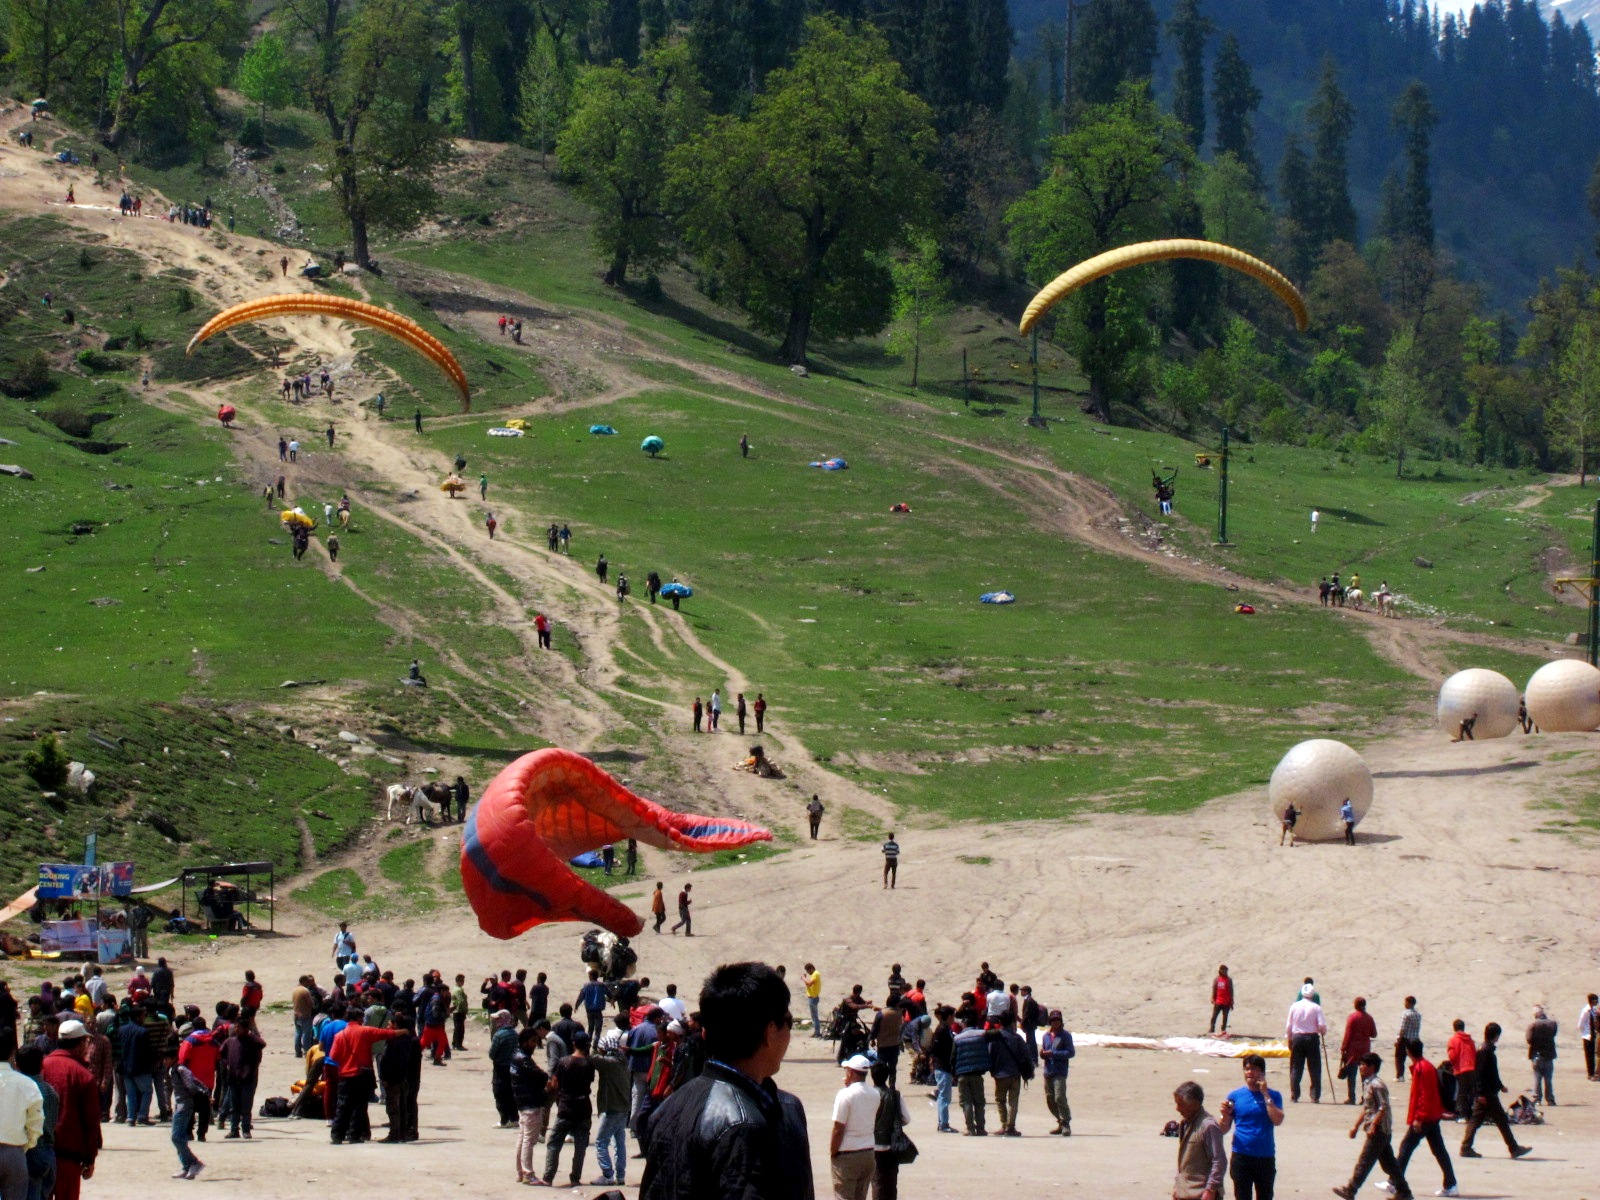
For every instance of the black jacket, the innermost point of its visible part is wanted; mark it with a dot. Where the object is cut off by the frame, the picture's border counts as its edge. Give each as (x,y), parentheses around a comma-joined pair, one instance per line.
(722,1137)
(1488,1071)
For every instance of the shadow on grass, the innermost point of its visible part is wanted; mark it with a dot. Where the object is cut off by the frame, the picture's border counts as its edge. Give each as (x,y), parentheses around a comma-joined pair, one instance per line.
(615,756)
(1355,518)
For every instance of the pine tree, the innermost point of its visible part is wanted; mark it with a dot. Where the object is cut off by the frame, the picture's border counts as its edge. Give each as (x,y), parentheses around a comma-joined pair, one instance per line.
(1414,117)
(1189,30)
(1116,43)
(1235,97)
(946,66)
(991,53)
(1332,218)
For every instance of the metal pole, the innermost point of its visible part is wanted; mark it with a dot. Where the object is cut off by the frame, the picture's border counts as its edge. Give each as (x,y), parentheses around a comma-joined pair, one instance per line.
(1034,420)
(1594,592)
(1222,494)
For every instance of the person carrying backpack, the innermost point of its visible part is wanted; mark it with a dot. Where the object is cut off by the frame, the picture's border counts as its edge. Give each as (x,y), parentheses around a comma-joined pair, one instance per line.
(888,1135)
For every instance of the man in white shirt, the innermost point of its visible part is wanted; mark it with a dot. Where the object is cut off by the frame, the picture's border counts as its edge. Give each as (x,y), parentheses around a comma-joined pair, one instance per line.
(675,1008)
(855,1111)
(1589,1031)
(1304,1029)
(344,945)
(22,1119)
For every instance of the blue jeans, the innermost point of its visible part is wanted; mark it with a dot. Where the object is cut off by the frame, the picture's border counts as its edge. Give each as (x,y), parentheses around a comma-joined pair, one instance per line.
(816,1020)
(613,1129)
(943,1081)
(303,1035)
(141,1089)
(182,1120)
(1544,1070)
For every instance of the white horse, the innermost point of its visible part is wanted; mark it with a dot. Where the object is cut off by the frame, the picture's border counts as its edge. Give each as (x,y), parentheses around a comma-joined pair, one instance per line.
(1385,603)
(418,805)
(1353,597)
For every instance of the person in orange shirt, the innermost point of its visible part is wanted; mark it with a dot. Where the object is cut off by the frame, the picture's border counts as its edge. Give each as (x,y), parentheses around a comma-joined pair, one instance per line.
(1463,1054)
(352,1050)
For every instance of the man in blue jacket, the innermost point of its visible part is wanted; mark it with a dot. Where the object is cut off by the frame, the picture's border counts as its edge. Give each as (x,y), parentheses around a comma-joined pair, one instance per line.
(1057,1052)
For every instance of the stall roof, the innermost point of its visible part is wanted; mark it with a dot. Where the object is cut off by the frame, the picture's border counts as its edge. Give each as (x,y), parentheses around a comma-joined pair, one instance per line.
(251,868)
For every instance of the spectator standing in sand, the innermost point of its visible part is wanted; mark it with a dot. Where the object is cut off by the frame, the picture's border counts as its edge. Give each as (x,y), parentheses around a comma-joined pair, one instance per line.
(1304,1028)
(572,1078)
(684,901)
(1378,1122)
(1057,1051)
(855,1110)
(969,1054)
(1423,1114)
(814,809)
(1253,1112)
(891,861)
(1202,1160)
(1588,1032)
(77,1131)
(344,942)
(1359,1031)
(21,1117)
(1221,998)
(1542,1055)
(1410,1028)
(812,979)
(1463,1055)
(760,708)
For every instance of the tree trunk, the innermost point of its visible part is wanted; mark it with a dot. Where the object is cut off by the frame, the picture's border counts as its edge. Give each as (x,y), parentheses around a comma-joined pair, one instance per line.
(617,272)
(1400,463)
(468,37)
(798,334)
(1096,405)
(916,361)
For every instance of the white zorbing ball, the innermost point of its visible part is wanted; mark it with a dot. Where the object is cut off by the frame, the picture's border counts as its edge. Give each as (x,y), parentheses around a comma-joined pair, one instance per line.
(1488,694)
(1317,776)
(1564,697)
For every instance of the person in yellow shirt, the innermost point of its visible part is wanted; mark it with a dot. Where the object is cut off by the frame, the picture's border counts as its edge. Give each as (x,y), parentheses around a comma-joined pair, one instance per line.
(813,982)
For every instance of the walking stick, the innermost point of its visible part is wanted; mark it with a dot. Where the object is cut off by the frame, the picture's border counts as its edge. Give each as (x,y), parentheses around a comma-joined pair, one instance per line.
(1327,1069)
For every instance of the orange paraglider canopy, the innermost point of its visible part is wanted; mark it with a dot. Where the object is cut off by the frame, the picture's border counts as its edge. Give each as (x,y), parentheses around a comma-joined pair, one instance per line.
(307,303)
(548,806)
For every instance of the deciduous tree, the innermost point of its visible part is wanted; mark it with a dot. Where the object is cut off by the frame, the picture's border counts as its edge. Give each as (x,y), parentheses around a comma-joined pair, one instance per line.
(921,297)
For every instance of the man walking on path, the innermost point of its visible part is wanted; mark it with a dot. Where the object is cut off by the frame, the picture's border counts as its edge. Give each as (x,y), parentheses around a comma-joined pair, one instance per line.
(483,487)
(814,809)
(739,708)
(1542,1054)
(592,999)
(1410,1029)
(1304,1029)
(1010,1067)
(1423,1114)
(715,708)
(760,708)
(1378,1121)
(891,861)
(684,902)
(1221,998)
(1359,1030)
(1488,1106)
(77,1131)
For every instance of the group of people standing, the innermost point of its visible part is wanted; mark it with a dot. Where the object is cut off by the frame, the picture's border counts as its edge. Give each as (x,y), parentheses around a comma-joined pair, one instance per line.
(707,717)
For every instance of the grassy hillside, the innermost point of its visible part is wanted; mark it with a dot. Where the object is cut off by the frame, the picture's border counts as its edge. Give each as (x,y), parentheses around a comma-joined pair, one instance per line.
(176,786)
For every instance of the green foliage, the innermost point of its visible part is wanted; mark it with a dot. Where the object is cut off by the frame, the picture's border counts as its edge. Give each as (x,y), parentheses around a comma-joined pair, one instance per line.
(169,56)
(1573,412)
(792,208)
(45,762)
(1109,183)
(1189,30)
(1116,46)
(1330,217)
(625,123)
(1401,401)
(545,92)
(27,374)
(1234,208)
(921,299)
(266,75)
(1236,98)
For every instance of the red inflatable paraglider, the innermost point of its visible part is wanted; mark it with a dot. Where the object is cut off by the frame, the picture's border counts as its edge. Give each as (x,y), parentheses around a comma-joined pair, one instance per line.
(226,413)
(548,806)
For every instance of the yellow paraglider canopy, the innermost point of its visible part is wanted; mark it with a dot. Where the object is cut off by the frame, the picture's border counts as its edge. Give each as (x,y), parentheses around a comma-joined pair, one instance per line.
(1145,252)
(302,303)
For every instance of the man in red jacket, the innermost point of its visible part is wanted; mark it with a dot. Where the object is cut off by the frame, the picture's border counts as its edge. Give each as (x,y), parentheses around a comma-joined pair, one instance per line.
(1464,1062)
(352,1050)
(77,1134)
(193,1080)
(1422,1118)
(1359,1030)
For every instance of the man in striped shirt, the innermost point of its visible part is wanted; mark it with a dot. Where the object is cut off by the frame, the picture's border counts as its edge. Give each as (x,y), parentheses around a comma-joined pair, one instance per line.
(1410,1027)
(891,861)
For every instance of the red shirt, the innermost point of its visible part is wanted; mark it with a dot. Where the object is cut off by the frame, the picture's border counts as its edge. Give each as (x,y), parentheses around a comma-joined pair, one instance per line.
(199,1053)
(1425,1104)
(1359,1030)
(352,1047)
(78,1126)
(1463,1054)
(1222,991)
(251,996)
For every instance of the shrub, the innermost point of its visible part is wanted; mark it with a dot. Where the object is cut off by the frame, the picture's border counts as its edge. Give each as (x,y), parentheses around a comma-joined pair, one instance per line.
(26,375)
(99,361)
(47,763)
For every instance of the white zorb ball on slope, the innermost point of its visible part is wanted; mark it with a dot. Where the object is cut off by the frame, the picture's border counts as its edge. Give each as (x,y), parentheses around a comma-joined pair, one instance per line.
(1489,694)
(1564,697)
(1316,776)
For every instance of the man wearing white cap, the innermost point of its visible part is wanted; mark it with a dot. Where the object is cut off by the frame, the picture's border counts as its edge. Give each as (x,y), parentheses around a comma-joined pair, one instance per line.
(1305,1027)
(21,1118)
(855,1111)
(77,1133)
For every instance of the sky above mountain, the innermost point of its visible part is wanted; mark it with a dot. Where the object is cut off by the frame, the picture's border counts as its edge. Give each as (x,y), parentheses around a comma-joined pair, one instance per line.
(1572,10)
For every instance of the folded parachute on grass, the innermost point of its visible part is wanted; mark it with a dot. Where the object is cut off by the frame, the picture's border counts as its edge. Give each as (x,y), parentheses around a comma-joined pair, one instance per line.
(832,464)
(547,807)
(293,304)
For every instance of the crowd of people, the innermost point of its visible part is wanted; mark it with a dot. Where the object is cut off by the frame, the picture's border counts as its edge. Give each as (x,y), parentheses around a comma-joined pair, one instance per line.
(688,1087)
